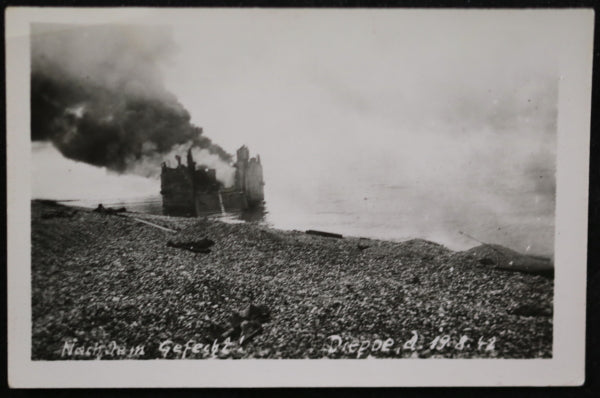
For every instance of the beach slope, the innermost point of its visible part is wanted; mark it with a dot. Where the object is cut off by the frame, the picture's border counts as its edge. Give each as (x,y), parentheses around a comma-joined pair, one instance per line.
(109,286)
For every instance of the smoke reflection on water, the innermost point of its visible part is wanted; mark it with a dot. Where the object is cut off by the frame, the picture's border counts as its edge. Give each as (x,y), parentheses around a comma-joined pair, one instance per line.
(145,204)
(153,205)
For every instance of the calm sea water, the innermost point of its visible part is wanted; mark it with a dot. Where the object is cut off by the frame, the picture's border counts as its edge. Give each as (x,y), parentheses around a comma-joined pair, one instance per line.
(521,221)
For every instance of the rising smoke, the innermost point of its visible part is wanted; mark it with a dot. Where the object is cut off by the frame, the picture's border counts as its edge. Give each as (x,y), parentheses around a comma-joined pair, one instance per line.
(97,94)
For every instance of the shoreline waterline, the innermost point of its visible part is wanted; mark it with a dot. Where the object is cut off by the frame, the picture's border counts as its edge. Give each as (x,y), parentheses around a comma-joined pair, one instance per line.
(525,233)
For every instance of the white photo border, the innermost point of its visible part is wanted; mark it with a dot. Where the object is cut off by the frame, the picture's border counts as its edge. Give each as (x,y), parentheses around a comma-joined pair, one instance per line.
(574,32)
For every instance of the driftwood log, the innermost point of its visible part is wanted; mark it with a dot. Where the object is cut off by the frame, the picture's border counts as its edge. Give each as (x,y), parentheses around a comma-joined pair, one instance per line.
(322,233)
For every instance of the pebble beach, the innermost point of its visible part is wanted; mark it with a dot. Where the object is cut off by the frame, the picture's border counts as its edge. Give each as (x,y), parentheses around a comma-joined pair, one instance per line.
(110,286)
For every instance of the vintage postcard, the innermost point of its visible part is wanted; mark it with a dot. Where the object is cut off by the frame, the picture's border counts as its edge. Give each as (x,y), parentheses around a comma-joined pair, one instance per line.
(297,197)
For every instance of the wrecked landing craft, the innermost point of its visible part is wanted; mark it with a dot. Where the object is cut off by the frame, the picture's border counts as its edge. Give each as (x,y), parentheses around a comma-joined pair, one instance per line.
(188,190)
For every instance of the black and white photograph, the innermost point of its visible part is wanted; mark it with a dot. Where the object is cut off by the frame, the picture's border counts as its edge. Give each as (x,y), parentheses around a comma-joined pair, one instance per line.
(229,187)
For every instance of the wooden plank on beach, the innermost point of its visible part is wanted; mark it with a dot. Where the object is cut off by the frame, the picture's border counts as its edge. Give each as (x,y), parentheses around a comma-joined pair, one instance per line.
(154,225)
(326,234)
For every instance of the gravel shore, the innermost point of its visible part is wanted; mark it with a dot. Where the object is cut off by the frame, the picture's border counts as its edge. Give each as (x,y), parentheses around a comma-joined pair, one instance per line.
(108,286)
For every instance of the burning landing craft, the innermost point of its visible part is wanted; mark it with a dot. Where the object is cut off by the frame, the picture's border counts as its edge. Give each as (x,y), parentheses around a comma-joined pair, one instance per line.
(190,190)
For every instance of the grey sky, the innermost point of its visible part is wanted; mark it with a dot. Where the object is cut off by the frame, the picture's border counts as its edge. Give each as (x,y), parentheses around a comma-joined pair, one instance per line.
(408,96)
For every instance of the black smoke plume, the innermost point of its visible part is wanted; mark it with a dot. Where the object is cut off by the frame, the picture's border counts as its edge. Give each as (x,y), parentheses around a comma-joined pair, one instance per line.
(97,94)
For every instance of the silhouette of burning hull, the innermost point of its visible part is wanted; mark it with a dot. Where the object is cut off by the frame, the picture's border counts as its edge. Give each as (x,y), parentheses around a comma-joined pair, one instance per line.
(190,190)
